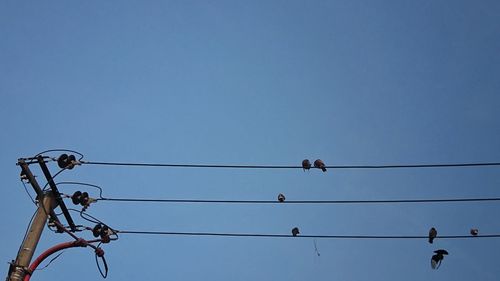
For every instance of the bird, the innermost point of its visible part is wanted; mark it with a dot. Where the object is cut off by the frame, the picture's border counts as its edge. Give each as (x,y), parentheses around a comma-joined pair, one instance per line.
(474,231)
(295,231)
(281,197)
(437,258)
(306,164)
(320,165)
(432,234)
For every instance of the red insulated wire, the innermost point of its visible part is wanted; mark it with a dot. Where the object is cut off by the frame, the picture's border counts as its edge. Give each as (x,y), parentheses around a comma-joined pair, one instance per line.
(49,252)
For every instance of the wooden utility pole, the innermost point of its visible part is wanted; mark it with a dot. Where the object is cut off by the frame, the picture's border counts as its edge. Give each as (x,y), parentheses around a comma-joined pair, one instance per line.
(21,264)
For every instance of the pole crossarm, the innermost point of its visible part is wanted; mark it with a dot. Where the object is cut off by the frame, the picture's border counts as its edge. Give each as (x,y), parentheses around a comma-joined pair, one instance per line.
(56,192)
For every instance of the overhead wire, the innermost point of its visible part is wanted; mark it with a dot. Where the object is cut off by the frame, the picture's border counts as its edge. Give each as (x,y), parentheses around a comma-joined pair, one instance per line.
(53,177)
(27,230)
(61,150)
(445,165)
(381,201)
(386,201)
(27,192)
(262,235)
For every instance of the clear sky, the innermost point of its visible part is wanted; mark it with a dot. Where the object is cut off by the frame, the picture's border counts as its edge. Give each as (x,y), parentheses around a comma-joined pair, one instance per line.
(258,82)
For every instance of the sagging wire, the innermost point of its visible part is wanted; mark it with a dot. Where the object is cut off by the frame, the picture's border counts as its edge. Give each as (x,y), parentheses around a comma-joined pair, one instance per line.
(60,150)
(98,251)
(34,159)
(84,215)
(82,183)
(53,177)
(97,255)
(27,192)
(64,161)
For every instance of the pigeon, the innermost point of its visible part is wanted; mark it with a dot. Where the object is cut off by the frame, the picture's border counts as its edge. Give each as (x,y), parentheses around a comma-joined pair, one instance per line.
(306,164)
(474,231)
(437,258)
(295,231)
(432,234)
(281,197)
(320,165)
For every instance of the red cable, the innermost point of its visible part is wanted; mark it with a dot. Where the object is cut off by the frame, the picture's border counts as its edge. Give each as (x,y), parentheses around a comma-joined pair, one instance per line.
(50,251)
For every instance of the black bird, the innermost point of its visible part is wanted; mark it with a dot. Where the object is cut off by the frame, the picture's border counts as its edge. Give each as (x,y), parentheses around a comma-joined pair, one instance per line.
(437,258)
(295,231)
(320,165)
(306,164)
(474,231)
(432,234)
(281,197)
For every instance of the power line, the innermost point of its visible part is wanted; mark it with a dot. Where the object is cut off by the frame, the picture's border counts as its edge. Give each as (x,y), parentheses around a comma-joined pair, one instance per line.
(446,165)
(395,201)
(304,236)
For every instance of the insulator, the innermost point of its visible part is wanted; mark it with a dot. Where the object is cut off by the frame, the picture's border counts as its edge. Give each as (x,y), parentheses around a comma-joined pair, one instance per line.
(76,197)
(66,161)
(84,199)
(62,161)
(96,231)
(71,162)
(104,230)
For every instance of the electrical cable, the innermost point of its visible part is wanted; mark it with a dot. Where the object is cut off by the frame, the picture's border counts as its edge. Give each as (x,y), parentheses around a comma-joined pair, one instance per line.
(305,236)
(94,220)
(53,259)
(447,165)
(104,275)
(26,232)
(388,201)
(53,177)
(81,183)
(449,200)
(61,150)
(27,192)
(89,218)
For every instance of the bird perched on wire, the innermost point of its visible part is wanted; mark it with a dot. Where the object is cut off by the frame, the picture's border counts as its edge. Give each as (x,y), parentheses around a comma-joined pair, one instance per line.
(432,234)
(281,197)
(295,231)
(320,165)
(474,231)
(437,258)
(306,164)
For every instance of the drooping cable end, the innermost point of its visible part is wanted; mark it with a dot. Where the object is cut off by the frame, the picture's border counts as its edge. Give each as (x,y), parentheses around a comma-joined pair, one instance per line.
(99,253)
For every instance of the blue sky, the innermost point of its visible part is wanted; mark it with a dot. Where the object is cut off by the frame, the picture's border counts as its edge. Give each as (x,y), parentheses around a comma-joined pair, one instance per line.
(259,82)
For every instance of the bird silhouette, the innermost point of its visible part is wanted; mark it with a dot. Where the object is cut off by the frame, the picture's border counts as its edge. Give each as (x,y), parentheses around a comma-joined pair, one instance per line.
(281,197)
(437,258)
(474,231)
(432,234)
(295,231)
(320,165)
(306,164)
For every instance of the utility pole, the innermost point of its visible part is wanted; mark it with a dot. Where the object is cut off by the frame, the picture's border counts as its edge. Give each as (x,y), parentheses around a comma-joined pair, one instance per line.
(48,203)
